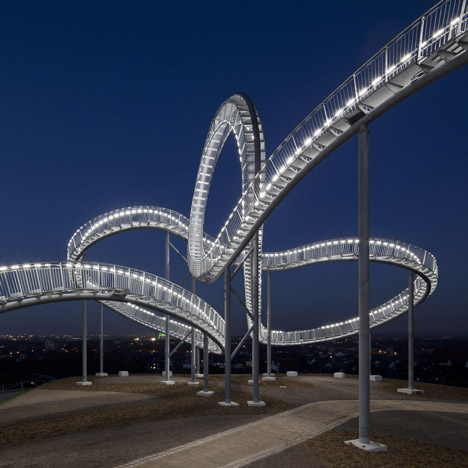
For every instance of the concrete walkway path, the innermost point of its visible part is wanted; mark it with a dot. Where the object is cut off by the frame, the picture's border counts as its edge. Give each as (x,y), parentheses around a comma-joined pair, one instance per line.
(248,443)
(38,402)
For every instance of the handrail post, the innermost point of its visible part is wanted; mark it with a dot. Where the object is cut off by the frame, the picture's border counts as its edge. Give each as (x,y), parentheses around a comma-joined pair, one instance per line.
(421,33)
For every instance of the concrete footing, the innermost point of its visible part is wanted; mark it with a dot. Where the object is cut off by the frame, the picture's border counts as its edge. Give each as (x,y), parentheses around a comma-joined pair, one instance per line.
(225,404)
(163,373)
(205,394)
(291,373)
(339,375)
(83,384)
(410,391)
(370,447)
(257,404)
(375,378)
(199,376)
(102,374)
(270,378)
(167,382)
(193,384)
(123,373)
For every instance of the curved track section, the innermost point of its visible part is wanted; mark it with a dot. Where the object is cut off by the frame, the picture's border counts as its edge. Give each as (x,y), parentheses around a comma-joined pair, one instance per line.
(236,115)
(432,46)
(394,252)
(32,284)
(126,219)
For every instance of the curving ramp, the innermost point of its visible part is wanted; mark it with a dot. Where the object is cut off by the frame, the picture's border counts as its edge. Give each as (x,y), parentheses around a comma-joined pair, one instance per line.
(28,284)
(431,47)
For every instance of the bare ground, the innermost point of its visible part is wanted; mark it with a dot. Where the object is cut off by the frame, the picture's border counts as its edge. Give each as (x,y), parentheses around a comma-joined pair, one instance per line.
(115,430)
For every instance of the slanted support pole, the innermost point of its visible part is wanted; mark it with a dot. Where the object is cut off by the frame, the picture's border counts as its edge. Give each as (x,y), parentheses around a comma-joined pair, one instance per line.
(227,343)
(206,365)
(410,390)
(364,441)
(268,376)
(255,312)
(193,381)
(167,343)
(101,372)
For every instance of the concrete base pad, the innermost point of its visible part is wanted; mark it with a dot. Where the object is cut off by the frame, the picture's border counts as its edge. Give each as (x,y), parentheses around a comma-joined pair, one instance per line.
(410,391)
(376,378)
(225,404)
(257,404)
(167,382)
(102,374)
(193,384)
(199,376)
(206,394)
(370,447)
(250,382)
(83,384)
(291,374)
(269,379)
(266,374)
(339,375)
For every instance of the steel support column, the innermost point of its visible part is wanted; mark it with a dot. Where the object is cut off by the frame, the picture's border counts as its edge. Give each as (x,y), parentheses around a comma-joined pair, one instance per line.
(269,323)
(197,355)
(364,357)
(255,312)
(84,355)
(364,441)
(193,380)
(410,332)
(268,376)
(84,352)
(227,340)
(101,372)
(206,365)
(410,390)
(167,343)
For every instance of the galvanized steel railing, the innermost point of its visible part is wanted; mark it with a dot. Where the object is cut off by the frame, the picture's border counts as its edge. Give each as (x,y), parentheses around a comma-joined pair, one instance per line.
(438,26)
(41,281)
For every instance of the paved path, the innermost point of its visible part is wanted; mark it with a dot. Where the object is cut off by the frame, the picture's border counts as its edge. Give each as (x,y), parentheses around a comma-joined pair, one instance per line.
(38,402)
(248,443)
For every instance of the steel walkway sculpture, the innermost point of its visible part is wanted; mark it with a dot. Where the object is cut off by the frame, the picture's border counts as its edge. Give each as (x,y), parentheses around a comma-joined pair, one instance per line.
(431,47)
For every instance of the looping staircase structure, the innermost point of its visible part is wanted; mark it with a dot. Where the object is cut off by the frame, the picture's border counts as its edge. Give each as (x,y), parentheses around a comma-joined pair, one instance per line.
(428,49)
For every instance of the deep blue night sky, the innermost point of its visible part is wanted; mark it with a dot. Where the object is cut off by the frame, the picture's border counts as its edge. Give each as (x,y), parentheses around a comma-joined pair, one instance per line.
(107,104)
